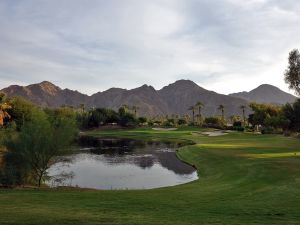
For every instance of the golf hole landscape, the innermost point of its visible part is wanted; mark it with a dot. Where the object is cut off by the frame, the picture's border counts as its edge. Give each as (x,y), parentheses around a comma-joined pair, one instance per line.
(138,112)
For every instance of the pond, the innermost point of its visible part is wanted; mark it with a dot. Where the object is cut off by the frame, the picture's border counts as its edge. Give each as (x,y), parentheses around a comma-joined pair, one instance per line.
(109,163)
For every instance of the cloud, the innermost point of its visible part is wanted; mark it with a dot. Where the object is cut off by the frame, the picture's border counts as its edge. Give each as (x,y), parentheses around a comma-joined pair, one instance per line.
(224,45)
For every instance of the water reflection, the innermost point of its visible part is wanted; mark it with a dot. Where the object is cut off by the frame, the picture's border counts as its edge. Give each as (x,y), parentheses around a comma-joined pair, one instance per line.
(122,163)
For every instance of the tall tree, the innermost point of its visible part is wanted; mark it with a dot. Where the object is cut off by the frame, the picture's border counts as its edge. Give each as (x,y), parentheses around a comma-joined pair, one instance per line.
(40,140)
(20,111)
(199,105)
(261,112)
(242,107)
(82,107)
(192,108)
(292,73)
(221,108)
(292,113)
(135,109)
(125,107)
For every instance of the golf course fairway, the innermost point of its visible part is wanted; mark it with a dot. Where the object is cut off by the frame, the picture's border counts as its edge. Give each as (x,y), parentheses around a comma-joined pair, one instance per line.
(244,178)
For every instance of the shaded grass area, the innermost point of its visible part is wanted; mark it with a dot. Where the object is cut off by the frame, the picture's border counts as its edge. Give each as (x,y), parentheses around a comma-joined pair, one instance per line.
(244,179)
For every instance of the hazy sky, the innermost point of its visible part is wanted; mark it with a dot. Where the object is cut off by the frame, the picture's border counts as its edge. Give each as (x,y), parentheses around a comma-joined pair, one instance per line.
(92,45)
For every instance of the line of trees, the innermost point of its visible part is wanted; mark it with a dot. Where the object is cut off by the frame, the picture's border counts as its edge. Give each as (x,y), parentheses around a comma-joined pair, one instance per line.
(97,117)
(276,119)
(215,121)
(266,118)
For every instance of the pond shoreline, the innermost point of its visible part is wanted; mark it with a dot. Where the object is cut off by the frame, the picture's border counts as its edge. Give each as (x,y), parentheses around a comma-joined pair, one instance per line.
(154,164)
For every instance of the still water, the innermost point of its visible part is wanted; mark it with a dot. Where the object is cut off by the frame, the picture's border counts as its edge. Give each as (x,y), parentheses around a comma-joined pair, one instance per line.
(109,163)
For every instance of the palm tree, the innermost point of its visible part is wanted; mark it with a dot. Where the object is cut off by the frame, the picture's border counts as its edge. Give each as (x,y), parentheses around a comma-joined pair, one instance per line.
(82,107)
(221,107)
(135,109)
(187,117)
(193,111)
(126,107)
(199,105)
(244,117)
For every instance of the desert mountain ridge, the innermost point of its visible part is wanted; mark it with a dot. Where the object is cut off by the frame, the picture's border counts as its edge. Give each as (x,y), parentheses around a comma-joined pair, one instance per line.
(266,93)
(174,98)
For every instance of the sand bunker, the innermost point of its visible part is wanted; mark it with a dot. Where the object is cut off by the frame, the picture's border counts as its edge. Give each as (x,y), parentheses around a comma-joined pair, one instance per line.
(164,129)
(215,133)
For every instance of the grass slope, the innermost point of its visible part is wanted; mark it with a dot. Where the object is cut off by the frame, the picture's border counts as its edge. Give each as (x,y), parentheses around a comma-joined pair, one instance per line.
(244,179)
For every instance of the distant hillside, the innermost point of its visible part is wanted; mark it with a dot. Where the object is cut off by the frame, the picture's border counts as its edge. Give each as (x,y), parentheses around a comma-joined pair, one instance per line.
(145,98)
(47,94)
(182,94)
(175,98)
(266,93)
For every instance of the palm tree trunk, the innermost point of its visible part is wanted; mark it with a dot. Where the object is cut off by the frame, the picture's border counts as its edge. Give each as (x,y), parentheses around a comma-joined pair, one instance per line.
(40,180)
(193,116)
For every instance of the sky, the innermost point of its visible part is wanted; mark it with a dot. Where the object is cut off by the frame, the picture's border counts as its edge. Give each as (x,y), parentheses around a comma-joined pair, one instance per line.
(90,46)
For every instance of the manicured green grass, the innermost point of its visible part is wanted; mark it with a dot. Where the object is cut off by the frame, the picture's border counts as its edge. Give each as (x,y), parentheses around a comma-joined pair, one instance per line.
(244,179)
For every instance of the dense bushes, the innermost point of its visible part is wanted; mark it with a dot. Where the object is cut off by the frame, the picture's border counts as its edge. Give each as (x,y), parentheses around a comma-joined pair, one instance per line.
(182,121)
(276,119)
(142,120)
(237,126)
(292,113)
(95,118)
(38,137)
(20,111)
(214,122)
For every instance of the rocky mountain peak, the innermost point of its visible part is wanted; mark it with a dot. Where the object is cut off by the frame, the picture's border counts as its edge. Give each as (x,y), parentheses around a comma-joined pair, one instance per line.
(182,85)
(47,87)
(266,93)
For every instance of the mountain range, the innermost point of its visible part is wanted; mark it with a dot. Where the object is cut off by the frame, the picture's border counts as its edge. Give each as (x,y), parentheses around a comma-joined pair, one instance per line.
(175,98)
(266,93)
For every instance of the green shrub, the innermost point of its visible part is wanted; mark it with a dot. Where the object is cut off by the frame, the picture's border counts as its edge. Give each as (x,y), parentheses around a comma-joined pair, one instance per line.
(182,121)
(268,130)
(142,120)
(40,140)
(239,128)
(237,124)
(214,122)
(167,123)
